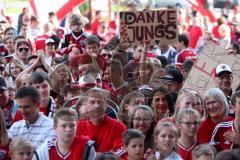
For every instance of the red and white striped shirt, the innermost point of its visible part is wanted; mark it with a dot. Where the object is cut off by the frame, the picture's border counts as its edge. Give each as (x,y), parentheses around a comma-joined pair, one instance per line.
(218,140)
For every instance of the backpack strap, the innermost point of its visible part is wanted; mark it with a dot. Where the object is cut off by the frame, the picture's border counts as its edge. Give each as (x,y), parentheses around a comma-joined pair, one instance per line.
(36,155)
(87,150)
(14,109)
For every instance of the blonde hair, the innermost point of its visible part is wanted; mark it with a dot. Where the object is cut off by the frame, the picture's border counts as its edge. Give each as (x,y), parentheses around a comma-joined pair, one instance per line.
(162,125)
(17,63)
(203,149)
(4,133)
(185,112)
(184,93)
(69,78)
(19,143)
(65,113)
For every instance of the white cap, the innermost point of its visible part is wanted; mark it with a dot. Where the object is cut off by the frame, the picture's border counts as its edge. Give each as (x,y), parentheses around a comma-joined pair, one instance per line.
(223,68)
(49,40)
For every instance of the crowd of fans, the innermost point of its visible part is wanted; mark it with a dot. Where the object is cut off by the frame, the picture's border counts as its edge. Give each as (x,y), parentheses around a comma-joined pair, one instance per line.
(84,95)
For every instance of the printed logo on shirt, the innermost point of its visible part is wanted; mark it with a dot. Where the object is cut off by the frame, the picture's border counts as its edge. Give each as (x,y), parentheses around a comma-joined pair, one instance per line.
(2,154)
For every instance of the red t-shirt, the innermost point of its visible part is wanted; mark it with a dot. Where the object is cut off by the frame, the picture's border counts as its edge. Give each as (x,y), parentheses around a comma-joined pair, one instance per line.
(218,140)
(195,33)
(206,129)
(107,135)
(75,152)
(186,153)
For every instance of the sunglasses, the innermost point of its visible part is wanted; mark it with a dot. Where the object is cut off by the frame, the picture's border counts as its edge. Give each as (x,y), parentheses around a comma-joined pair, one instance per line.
(23,49)
(107,55)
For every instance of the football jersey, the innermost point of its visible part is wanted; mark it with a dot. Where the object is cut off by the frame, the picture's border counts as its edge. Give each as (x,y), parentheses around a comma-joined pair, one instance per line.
(206,129)
(186,54)
(75,152)
(71,38)
(218,140)
(186,153)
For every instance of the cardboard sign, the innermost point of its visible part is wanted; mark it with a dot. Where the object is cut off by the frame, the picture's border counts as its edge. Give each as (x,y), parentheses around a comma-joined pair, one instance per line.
(157,26)
(201,76)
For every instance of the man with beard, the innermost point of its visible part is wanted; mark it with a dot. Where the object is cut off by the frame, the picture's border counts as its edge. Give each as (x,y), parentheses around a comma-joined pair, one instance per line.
(105,131)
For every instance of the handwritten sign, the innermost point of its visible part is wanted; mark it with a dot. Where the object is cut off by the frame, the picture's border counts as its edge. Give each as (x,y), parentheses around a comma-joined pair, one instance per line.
(201,76)
(157,26)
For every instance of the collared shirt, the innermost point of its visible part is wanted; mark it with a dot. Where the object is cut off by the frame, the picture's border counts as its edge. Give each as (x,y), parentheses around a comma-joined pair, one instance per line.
(38,132)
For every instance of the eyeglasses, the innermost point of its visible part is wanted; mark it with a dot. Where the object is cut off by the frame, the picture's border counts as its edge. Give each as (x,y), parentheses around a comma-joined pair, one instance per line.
(23,49)
(77,24)
(141,119)
(107,55)
(189,124)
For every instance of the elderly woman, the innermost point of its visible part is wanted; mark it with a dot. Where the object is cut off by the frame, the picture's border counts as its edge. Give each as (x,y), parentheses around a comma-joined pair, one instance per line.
(215,111)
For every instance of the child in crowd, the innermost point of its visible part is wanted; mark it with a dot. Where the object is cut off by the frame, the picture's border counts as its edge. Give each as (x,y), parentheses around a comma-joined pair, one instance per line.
(166,135)
(203,152)
(134,144)
(21,149)
(188,121)
(128,103)
(142,119)
(74,41)
(187,98)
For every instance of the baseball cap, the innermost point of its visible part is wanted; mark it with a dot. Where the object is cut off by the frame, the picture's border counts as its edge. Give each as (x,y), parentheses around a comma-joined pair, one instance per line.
(49,40)
(3,84)
(173,75)
(222,68)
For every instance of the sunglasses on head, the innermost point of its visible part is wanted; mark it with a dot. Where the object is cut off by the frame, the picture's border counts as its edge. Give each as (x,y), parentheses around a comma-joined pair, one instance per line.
(23,49)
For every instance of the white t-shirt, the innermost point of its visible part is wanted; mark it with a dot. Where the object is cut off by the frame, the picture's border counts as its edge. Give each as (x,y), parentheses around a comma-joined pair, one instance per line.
(172,156)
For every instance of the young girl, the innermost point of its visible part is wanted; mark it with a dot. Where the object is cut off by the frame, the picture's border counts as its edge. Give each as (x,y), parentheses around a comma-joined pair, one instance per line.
(21,149)
(129,102)
(166,135)
(134,144)
(4,141)
(142,119)
(188,121)
(187,98)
